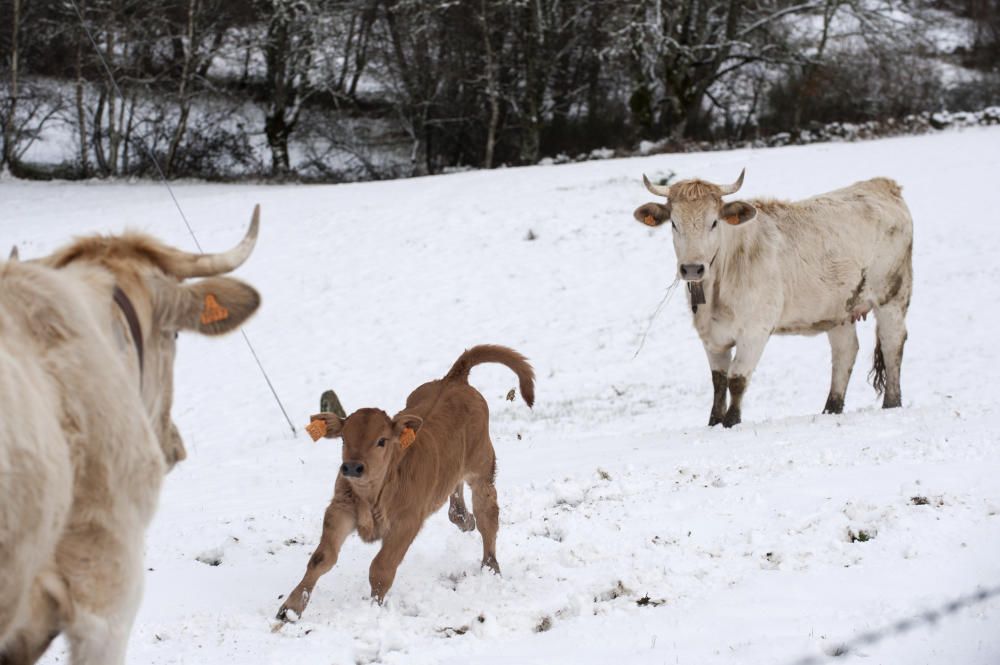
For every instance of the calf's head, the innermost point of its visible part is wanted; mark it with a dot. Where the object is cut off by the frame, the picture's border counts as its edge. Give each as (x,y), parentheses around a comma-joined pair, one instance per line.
(153,278)
(698,217)
(373,442)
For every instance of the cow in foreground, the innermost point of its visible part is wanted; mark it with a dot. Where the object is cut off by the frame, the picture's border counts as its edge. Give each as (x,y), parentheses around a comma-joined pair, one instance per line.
(87,344)
(397,471)
(761,267)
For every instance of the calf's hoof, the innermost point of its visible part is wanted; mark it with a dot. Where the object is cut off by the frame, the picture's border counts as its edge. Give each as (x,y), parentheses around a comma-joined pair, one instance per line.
(491,563)
(715,419)
(291,610)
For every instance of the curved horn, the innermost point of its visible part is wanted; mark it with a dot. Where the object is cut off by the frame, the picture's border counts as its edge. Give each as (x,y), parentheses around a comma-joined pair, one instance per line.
(14,255)
(207,265)
(735,187)
(659,190)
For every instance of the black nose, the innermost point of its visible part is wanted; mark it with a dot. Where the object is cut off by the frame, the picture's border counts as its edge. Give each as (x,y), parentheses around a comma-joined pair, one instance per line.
(692,271)
(352,469)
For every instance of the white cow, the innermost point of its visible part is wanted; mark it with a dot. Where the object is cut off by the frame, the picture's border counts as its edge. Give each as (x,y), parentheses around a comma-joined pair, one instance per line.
(761,267)
(87,344)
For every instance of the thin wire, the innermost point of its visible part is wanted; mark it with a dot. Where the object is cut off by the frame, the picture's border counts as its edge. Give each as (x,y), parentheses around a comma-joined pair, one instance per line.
(173,197)
(649,324)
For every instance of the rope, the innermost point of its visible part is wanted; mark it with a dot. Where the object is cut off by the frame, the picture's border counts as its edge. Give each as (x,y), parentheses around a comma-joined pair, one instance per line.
(170,190)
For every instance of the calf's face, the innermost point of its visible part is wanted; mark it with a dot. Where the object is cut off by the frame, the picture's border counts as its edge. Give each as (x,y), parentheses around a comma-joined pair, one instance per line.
(697,216)
(372,441)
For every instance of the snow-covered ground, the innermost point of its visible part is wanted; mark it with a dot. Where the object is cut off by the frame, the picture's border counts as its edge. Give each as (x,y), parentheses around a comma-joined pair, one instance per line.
(612,490)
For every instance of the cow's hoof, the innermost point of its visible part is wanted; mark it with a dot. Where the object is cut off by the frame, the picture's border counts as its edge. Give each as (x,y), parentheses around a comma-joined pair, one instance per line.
(834,405)
(892,404)
(714,420)
(732,418)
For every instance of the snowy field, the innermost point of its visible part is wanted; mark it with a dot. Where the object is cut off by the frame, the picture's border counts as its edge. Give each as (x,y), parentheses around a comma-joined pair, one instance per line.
(630,531)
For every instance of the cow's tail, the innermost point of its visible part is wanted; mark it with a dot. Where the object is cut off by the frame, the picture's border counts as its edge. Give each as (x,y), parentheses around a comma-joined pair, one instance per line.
(877,373)
(492,353)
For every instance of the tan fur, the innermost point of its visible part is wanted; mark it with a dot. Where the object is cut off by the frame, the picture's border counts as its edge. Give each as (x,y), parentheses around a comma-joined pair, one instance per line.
(804,267)
(85,439)
(400,487)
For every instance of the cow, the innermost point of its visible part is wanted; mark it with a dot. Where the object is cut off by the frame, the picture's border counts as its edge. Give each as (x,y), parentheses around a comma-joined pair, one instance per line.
(762,267)
(397,471)
(87,343)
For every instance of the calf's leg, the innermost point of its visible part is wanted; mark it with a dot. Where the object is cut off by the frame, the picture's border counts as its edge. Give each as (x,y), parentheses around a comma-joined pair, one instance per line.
(843,352)
(458,513)
(382,572)
(484,504)
(748,352)
(338,523)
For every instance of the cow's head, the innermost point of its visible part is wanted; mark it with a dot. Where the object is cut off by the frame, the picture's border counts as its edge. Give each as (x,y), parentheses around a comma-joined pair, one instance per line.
(698,217)
(372,441)
(154,278)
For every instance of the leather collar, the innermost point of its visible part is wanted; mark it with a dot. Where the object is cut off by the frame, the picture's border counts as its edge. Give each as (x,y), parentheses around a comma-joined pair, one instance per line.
(128,309)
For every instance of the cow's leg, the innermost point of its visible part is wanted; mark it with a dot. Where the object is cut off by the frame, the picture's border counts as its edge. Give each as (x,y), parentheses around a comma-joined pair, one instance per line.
(338,523)
(891,332)
(43,623)
(383,569)
(104,611)
(748,352)
(719,364)
(458,513)
(484,503)
(843,352)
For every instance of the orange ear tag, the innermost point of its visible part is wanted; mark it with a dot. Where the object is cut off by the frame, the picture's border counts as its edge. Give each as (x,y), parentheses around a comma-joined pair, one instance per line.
(733,219)
(316,429)
(648,220)
(213,311)
(407,438)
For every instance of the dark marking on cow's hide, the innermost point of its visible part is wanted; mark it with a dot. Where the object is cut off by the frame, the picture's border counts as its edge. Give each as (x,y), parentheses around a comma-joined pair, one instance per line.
(897,277)
(697,292)
(720,384)
(810,328)
(855,299)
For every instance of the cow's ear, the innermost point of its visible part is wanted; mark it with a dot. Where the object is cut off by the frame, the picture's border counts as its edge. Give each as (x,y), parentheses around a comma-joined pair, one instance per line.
(213,306)
(737,212)
(652,214)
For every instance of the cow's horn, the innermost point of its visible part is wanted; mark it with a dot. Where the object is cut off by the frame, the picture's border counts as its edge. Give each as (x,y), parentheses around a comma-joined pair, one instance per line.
(659,190)
(206,265)
(735,187)
(14,255)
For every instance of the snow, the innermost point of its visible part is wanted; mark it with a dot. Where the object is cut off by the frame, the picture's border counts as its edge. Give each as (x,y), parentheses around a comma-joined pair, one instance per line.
(612,490)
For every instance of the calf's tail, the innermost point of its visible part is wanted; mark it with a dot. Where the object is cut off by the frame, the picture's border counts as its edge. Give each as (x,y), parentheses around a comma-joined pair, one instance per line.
(492,353)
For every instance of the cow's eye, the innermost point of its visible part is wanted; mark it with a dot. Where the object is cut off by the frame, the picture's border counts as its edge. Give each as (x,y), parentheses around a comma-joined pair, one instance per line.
(380,443)
(715,223)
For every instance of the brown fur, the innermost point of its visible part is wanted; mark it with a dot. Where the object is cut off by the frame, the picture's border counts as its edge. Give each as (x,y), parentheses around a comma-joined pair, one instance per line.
(400,487)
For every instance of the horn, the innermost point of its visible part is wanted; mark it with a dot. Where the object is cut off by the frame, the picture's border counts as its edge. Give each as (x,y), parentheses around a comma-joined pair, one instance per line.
(735,187)
(186,265)
(659,190)
(14,255)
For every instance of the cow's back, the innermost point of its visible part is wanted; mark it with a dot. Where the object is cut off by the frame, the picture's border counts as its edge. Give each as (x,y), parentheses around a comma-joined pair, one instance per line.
(838,250)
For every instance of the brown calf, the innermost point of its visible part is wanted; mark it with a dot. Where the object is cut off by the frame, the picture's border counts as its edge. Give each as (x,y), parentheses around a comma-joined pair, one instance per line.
(390,482)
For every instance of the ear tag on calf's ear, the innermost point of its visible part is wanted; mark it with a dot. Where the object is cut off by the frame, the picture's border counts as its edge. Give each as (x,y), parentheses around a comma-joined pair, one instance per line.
(316,429)
(734,220)
(407,438)
(648,220)
(213,312)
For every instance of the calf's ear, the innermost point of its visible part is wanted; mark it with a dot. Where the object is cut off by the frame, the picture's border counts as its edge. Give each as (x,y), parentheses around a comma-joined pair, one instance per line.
(406,421)
(652,214)
(212,306)
(334,424)
(737,212)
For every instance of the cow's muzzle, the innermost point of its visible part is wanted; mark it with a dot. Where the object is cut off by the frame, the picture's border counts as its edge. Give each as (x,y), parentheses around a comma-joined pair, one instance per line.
(352,469)
(692,272)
